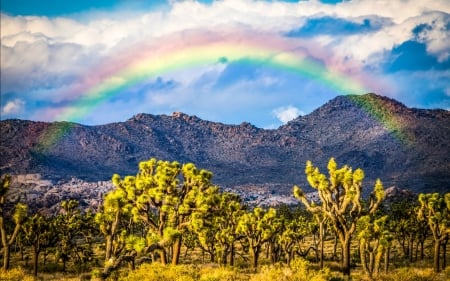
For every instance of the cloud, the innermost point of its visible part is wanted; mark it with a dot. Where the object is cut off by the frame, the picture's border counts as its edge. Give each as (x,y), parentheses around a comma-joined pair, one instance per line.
(13,107)
(287,113)
(43,71)
(47,60)
(119,29)
(435,33)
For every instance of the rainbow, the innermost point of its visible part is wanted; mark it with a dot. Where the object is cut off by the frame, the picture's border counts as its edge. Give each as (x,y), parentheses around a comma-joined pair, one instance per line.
(392,123)
(184,51)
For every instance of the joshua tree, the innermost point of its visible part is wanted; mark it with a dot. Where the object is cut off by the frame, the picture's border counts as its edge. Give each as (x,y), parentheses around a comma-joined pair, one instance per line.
(163,197)
(374,241)
(341,201)
(435,209)
(19,216)
(258,227)
(40,233)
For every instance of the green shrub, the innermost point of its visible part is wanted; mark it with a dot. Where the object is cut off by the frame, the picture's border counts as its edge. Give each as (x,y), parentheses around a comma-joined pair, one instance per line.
(16,274)
(411,274)
(221,274)
(299,270)
(273,273)
(158,272)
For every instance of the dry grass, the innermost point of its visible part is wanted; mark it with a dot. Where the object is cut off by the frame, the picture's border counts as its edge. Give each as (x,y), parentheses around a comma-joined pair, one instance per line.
(300,271)
(195,268)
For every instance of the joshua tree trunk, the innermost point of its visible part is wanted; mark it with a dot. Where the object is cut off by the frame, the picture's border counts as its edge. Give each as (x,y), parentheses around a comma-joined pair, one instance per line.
(362,254)
(335,247)
(371,264)
(36,252)
(255,256)
(386,260)
(437,248)
(378,256)
(444,252)
(176,251)
(64,259)
(163,256)
(422,252)
(6,256)
(411,248)
(346,256)
(108,249)
(321,237)
(232,254)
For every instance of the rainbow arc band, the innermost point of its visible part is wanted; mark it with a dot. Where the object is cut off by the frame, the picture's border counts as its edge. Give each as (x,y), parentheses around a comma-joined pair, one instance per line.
(148,62)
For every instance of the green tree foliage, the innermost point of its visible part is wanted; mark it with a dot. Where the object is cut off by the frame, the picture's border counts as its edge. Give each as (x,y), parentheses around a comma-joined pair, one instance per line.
(217,227)
(407,228)
(293,231)
(258,227)
(317,226)
(113,219)
(374,241)
(226,218)
(435,210)
(39,232)
(167,204)
(18,216)
(74,233)
(163,197)
(204,228)
(190,241)
(341,201)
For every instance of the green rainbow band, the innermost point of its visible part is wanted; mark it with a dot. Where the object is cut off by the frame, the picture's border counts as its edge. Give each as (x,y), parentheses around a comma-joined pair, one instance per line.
(197,56)
(391,122)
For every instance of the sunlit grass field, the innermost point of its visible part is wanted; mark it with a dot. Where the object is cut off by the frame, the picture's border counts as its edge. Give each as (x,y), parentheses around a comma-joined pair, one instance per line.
(196,266)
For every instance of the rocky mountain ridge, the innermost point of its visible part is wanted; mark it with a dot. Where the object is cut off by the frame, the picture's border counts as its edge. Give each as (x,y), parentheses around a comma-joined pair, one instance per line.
(403,146)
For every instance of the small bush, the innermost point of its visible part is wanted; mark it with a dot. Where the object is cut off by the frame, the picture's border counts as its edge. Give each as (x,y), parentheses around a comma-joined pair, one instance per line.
(221,274)
(158,272)
(411,274)
(273,273)
(299,270)
(447,272)
(16,274)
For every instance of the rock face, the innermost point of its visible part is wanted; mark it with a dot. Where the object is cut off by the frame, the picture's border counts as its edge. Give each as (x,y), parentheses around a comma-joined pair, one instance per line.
(405,147)
(45,196)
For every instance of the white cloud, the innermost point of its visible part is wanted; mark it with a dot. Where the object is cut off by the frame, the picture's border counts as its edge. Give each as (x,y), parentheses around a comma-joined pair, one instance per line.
(48,56)
(13,107)
(287,113)
(364,47)
(107,31)
(437,41)
(398,11)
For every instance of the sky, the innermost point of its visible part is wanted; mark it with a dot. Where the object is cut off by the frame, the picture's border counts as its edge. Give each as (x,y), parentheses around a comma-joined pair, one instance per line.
(231,61)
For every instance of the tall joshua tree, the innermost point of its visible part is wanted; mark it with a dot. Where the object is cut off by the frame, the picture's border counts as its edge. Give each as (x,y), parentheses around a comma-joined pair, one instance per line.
(163,197)
(435,210)
(19,216)
(341,201)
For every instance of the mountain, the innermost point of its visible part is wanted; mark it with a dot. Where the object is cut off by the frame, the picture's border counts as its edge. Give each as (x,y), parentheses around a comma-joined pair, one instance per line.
(402,146)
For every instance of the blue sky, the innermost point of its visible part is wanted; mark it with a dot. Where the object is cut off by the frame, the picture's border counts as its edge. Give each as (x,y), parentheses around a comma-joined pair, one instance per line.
(399,49)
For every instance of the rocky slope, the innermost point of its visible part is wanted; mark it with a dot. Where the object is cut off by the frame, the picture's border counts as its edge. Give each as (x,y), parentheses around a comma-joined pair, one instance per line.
(403,146)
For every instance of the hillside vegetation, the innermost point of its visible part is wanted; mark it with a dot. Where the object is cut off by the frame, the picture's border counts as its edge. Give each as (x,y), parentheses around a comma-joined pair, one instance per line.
(171,222)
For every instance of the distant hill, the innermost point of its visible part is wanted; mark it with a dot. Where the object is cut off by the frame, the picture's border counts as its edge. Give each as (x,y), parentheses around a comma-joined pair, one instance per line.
(403,146)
